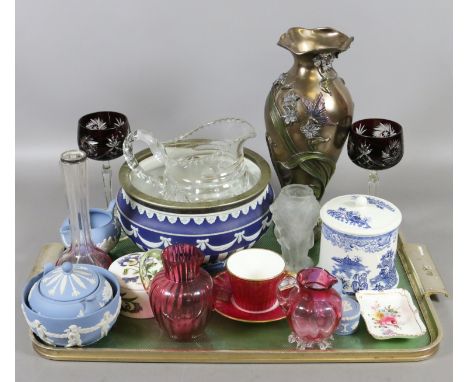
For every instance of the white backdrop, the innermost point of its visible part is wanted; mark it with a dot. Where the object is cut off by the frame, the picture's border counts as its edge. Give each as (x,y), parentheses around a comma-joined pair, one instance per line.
(172,65)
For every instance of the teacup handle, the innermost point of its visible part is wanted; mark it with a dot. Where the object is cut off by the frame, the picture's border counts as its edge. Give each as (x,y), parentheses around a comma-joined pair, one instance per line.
(156,147)
(144,265)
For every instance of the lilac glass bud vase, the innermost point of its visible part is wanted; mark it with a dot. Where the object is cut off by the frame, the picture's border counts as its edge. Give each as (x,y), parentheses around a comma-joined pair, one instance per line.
(181,295)
(82,250)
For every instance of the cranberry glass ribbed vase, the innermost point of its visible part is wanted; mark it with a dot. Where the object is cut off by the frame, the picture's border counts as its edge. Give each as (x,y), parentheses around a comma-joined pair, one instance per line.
(181,295)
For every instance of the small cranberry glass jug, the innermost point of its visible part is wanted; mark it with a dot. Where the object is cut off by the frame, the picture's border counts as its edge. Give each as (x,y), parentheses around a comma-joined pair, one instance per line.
(181,295)
(312,306)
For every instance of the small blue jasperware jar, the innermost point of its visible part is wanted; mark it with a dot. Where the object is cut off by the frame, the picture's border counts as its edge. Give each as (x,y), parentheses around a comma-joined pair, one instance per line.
(350,317)
(105,228)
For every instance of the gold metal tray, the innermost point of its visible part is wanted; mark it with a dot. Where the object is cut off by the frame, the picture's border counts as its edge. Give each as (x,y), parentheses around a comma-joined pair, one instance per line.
(227,341)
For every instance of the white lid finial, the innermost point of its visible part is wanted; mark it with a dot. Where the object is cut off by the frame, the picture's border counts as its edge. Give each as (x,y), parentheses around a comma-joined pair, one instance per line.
(361,201)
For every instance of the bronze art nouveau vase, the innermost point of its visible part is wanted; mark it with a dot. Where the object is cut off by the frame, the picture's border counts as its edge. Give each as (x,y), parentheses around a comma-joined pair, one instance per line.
(309,110)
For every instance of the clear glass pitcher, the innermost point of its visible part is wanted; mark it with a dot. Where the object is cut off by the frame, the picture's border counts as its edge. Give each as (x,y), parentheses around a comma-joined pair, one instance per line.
(204,164)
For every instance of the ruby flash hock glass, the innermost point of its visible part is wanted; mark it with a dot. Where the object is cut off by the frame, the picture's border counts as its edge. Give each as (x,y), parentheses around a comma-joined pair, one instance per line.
(312,306)
(375,144)
(100,136)
(181,295)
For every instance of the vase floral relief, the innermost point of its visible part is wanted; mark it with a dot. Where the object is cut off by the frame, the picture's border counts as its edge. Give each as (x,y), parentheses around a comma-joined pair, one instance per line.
(308,112)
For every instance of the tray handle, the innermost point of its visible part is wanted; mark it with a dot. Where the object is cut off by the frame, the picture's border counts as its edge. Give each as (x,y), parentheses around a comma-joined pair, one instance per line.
(422,265)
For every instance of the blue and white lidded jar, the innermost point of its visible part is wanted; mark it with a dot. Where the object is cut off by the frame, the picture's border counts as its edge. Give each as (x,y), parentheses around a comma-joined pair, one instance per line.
(359,242)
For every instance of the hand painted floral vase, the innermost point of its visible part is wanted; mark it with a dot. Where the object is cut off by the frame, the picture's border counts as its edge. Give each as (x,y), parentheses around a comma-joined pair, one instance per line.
(181,295)
(359,242)
(312,306)
(135,300)
(308,112)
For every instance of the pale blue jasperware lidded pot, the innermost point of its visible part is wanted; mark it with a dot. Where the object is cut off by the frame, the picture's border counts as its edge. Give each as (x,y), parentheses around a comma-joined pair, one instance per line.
(69,291)
(71,304)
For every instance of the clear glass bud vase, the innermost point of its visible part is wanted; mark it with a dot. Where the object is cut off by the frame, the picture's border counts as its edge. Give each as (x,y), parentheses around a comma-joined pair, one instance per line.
(82,250)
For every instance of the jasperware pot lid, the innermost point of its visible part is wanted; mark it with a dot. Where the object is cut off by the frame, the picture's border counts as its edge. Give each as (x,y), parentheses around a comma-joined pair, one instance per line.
(350,306)
(360,215)
(68,282)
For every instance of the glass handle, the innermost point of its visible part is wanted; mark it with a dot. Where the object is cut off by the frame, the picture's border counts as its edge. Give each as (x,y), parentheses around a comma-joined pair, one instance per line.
(107,180)
(157,149)
(373,182)
(284,289)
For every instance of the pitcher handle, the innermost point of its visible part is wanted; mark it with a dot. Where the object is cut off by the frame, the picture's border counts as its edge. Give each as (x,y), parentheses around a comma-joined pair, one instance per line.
(111,206)
(156,147)
(285,289)
(150,263)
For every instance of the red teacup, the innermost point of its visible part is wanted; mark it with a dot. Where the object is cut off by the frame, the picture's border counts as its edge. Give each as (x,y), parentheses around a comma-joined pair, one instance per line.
(254,275)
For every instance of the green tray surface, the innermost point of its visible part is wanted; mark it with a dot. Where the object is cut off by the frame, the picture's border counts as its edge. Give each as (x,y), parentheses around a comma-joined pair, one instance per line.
(225,334)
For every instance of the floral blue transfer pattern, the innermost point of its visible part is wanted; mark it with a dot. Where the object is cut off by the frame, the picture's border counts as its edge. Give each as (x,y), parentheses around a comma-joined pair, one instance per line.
(352,273)
(369,244)
(349,217)
(388,276)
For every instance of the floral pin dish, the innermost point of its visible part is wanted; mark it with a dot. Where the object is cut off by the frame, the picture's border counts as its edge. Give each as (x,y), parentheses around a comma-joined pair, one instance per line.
(390,314)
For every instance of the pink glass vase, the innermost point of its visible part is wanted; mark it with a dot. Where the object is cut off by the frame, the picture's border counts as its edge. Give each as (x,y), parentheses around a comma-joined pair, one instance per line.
(312,306)
(181,295)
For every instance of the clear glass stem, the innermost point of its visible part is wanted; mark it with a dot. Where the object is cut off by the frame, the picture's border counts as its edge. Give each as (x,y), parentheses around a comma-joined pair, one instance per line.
(82,249)
(373,182)
(107,180)
(76,185)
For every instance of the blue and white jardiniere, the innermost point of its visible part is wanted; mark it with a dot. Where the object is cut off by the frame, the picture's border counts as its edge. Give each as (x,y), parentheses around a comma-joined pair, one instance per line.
(216,227)
(359,242)
(82,330)
(217,234)
(105,228)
